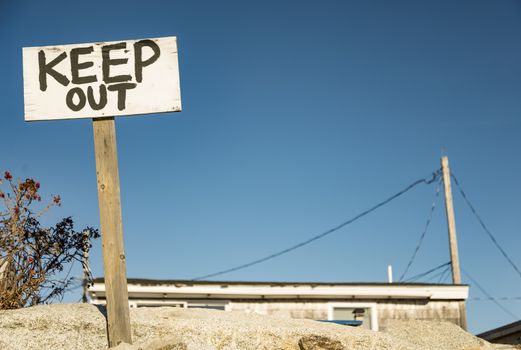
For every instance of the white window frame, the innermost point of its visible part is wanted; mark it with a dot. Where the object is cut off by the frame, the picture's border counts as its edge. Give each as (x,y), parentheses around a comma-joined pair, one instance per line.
(156,303)
(203,303)
(372,306)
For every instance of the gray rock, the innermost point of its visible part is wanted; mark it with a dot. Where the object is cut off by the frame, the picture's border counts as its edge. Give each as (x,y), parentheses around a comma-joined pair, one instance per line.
(82,326)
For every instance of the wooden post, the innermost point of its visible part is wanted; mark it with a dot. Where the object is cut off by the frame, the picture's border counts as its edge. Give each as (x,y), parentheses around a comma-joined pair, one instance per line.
(453,242)
(118,326)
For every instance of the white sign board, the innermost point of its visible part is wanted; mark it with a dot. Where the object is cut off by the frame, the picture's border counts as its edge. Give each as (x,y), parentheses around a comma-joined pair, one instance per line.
(101,79)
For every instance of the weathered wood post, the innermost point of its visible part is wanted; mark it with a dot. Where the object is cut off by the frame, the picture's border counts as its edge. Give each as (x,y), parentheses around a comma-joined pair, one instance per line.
(112,231)
(453,242)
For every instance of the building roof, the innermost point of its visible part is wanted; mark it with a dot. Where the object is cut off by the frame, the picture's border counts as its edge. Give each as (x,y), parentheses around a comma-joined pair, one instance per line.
(155,282)
(500,332)
(171,289)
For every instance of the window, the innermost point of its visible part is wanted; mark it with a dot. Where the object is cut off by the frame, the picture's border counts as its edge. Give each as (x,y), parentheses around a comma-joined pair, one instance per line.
(151,303)
(217,305)
(365,312)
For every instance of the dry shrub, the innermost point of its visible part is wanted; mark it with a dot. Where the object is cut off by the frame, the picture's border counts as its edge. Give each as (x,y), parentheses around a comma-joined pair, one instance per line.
(31,257)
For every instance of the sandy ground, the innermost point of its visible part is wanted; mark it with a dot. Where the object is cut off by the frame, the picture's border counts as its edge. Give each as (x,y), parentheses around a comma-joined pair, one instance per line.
(82,326)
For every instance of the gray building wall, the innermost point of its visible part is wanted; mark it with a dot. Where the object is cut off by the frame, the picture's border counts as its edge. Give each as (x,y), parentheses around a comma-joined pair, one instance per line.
(419,310)
(386,310)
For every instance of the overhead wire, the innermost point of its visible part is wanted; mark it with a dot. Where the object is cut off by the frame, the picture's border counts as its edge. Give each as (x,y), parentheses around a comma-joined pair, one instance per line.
(426,273)
(428,180)
(490,297)
(485,228)
(495,298)
(429,220)
(445,274)
(439,274)
(436,275)
(448,276)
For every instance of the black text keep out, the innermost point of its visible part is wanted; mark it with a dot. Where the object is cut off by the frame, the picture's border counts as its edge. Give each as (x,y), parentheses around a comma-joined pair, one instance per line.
(77,97)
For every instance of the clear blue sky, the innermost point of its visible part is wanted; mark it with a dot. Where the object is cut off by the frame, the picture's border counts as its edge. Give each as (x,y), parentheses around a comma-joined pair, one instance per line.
(297,115)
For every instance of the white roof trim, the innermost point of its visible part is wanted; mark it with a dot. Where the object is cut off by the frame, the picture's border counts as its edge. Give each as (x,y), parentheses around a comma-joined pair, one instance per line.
(256,291)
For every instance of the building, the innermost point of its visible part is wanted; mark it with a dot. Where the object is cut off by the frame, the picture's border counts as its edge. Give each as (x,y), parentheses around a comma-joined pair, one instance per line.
(507,334)
(368,304)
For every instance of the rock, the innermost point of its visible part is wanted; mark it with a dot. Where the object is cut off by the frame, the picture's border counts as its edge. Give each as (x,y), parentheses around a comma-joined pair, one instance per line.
(316,342)
(82,326)
(426,334)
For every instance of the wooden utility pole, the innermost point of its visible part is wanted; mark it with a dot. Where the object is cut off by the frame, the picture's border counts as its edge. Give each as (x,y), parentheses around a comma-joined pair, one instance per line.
(453,242)
(118,323)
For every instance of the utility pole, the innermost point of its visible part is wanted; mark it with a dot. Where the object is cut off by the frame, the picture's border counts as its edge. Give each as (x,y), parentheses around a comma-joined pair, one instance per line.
(453,242)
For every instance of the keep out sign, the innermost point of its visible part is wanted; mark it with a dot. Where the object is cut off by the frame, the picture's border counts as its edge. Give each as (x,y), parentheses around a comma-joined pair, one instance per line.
(101,79)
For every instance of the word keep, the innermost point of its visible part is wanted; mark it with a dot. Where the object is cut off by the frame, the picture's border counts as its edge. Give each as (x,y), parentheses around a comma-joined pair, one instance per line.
(76,97)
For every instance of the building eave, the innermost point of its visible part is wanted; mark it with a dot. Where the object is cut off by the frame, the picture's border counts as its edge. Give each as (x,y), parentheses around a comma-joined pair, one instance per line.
(179,289)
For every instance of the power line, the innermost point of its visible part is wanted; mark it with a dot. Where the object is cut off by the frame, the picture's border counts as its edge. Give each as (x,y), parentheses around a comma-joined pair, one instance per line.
(496,243)
(428,180)
(424,231)
(424,274)
(445,274)
(439,274)
(495,298)
(491,298)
